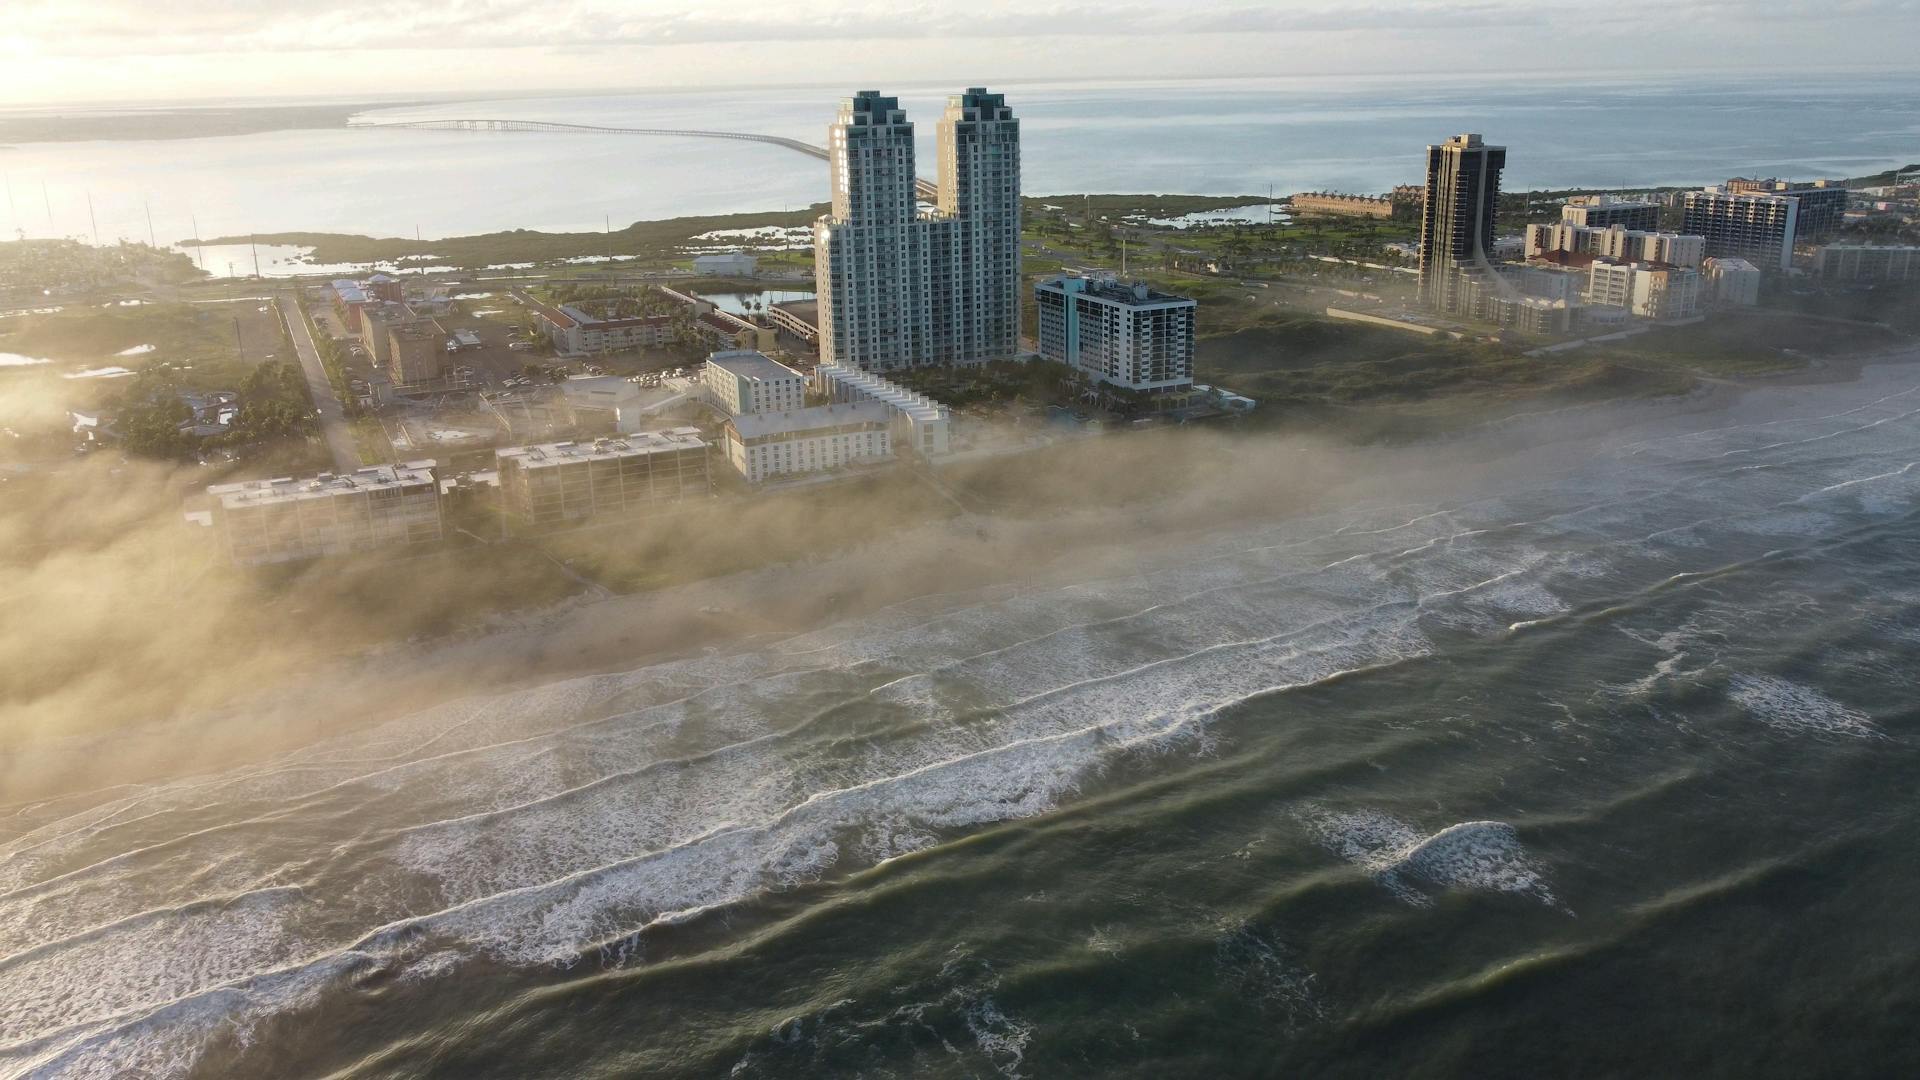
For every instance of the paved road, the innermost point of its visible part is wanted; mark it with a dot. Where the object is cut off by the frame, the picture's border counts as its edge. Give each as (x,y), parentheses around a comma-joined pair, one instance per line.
(333,420)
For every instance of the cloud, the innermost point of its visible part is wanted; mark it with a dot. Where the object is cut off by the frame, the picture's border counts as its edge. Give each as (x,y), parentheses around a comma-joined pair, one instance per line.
(135,27)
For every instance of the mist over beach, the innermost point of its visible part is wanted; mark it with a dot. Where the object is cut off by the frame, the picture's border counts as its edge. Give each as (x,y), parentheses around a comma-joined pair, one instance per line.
(1021,539)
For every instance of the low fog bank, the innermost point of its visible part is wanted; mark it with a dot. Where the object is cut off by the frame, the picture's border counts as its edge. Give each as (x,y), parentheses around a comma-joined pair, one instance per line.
(130,651)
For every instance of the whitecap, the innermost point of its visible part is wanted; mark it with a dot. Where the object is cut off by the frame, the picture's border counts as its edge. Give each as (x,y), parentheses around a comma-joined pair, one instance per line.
(1793,707)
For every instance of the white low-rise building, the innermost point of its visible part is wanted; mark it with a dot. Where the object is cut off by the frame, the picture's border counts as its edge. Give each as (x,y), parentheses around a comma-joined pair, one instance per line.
(740,381)
(763,445)
(1732,282)
(268,521)
(921,424)
(731,264)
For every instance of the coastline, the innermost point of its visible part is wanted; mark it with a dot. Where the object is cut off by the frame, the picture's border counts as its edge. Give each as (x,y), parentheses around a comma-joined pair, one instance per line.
(586,636)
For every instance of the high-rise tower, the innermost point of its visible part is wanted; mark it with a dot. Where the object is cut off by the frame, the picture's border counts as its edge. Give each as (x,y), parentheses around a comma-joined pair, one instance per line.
(898,287)
(977,313)
(1456,226)
(870,253)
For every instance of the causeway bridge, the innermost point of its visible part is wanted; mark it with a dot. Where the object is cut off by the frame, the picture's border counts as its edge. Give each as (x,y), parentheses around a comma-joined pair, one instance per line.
(925,188)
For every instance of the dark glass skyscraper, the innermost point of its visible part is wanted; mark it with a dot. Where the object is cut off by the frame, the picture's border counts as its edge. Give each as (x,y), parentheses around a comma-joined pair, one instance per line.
(1456,225)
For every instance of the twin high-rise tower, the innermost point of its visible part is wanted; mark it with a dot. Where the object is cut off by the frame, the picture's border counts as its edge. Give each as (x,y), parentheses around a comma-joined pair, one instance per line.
(900,288)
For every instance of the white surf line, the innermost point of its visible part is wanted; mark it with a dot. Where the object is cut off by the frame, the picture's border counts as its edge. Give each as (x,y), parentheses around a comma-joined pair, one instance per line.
(1637,446)
(1152,729)
(1901,471)
(399,762)
(738,748)
(1823,438)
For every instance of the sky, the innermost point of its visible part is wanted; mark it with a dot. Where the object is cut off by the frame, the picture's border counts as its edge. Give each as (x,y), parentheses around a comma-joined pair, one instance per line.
(55,51)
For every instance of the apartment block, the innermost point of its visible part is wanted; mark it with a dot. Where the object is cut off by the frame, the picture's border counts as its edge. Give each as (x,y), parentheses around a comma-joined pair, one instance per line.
(1759,228)
(381,506)
(1126,335)
(900,288)
(562,482)
(575,332)
(416,352)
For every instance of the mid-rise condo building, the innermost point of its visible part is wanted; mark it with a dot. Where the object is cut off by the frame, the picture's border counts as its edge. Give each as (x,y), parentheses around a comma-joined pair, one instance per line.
(920,424)
(1651,291)
(1732,282)
(1122,334)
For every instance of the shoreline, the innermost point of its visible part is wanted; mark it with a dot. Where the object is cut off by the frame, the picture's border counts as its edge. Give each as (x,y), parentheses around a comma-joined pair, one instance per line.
(586,636)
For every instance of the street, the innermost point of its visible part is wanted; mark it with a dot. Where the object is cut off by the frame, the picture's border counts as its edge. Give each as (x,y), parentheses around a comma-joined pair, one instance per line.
(333,420)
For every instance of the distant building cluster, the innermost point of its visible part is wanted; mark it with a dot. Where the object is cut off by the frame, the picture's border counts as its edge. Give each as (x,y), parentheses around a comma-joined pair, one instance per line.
(576,331)
(409,346)
(1607,258)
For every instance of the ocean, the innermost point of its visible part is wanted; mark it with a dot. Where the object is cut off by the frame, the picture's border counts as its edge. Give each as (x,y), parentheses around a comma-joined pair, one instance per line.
(1603,765)
(1225,137)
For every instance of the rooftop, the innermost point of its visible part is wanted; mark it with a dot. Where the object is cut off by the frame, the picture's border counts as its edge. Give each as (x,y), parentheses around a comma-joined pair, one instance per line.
(751,365)
(639,444)
(1107,288)
(246,493)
